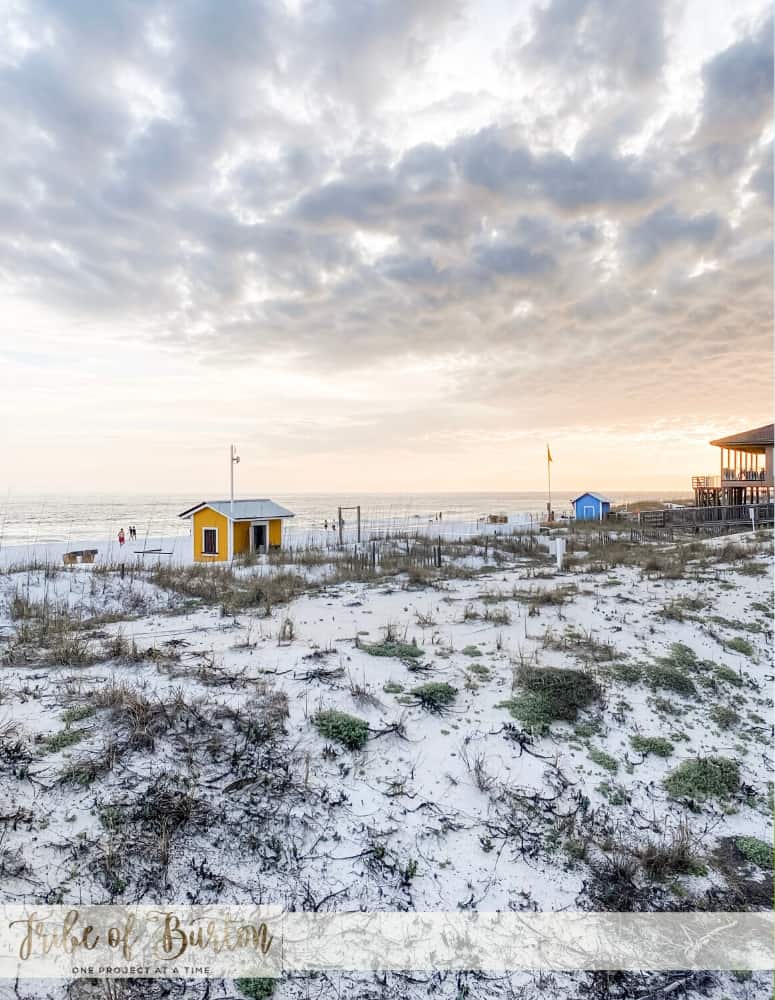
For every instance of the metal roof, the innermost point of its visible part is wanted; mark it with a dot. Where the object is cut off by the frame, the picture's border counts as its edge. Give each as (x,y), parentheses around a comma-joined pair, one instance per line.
(757,437)
(244,510)
(597,496)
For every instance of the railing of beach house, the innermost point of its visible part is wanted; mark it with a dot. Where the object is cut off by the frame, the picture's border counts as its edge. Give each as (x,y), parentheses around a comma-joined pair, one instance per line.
(744,476)
(764,513)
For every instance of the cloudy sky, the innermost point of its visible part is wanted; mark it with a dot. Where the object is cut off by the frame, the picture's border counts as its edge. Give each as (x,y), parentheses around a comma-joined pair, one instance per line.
(381,244)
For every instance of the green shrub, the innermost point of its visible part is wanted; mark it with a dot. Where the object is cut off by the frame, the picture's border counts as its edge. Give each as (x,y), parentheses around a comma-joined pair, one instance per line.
(256,989)
(682,657)
(665,707)
(736,624)
(480,670)
(401,650)
(565,691)
(391,687)
(585,730)
(663,675)
(77,714)
(704,778)
(532,710)
(348,730)
(740,645)
(657,745)
(727,674)
(66,738)
(674,611)
(552,694)
(752,569)
(434,696)
(628,673)
(603,759)
(616,794)
(758,852)
(724,717)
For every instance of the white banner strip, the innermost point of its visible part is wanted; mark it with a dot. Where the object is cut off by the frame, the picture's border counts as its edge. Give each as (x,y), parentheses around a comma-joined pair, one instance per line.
(198,942)
(513,941)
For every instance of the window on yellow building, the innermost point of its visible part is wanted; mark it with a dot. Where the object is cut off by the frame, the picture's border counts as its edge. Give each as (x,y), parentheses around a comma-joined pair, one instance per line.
(210,541)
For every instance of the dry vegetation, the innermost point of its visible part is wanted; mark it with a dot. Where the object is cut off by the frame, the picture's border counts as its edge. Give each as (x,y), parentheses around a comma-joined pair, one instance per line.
(479,730)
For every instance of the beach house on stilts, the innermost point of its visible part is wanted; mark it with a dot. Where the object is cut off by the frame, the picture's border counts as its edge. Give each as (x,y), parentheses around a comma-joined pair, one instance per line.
(746,470)
(741,494)
(222,529)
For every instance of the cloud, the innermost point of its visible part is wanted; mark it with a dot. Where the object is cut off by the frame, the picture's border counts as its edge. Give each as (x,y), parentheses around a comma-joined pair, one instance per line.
(761,180)
(235,184)
(616,45)
(411,270)
(59,108)
(488,159)
(354,50)
(513,260)
(667,227)
(737,97)
(425,169)
(361,201)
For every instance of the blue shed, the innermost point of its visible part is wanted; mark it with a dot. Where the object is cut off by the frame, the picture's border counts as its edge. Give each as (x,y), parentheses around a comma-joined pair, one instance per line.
(591,507)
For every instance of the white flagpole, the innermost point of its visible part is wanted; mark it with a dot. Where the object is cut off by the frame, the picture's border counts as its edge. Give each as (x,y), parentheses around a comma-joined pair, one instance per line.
(233,460)
(231,480)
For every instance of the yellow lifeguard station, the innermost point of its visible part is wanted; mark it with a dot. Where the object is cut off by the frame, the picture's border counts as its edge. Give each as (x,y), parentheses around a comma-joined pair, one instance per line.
(222,529)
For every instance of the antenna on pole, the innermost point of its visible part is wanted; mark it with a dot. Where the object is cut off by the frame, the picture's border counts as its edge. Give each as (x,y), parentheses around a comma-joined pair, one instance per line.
(233,460)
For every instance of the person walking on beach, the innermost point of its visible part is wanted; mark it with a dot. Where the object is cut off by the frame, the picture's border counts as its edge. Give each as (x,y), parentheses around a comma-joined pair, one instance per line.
(121,537)
(132,532)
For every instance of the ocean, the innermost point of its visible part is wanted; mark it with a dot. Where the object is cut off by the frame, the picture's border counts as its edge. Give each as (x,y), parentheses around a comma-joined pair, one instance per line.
(62,518)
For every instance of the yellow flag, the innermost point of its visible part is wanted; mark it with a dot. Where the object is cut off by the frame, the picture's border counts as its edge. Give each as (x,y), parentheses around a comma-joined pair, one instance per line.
(548,454)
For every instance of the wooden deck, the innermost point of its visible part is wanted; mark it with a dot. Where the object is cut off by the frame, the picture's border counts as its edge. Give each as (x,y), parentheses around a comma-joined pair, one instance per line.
(708,518)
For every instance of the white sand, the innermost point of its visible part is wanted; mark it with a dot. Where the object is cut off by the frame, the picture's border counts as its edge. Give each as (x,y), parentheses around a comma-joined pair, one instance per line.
(416,799)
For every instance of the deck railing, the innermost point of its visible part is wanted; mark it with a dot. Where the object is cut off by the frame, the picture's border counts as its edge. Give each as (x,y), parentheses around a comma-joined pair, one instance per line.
(744,476)
(687,517)
(732,479)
